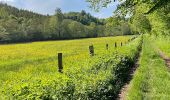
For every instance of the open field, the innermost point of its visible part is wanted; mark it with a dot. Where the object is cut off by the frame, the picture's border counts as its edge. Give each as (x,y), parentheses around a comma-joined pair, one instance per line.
(17,57)
(30,70)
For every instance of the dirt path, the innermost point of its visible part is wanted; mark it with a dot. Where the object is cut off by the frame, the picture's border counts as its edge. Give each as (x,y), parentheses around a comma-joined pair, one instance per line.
(165,57)
(125,88)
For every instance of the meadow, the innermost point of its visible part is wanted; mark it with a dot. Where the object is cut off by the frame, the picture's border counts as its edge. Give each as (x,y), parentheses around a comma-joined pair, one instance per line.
(30,71)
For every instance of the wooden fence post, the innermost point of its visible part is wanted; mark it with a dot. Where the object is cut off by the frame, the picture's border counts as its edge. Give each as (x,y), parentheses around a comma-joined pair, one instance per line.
(129,40)
(121,44)
(115,45)
(107,46)
(60,64)
(91,50)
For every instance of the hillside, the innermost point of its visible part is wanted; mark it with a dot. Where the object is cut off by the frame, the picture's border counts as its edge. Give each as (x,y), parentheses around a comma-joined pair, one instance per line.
(84,18)
(24,26)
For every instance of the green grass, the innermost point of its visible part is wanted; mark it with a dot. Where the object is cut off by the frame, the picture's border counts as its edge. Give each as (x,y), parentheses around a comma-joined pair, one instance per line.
(29,71)
(163,44)
(152,78)
(38,55)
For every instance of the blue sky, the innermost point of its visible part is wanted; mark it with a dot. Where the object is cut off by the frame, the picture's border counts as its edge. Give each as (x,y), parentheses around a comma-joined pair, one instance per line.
(49,6)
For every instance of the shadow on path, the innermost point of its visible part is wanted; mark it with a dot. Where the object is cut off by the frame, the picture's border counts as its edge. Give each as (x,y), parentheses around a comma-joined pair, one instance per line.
(165,58)
(123,91)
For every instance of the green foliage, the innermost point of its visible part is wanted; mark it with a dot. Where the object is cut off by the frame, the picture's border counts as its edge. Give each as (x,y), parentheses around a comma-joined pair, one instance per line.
(117,26)
(3,34)
(146,16)
(152,76)
(97,4)
(77,29)
(36,77)
(140,24)
(83,17)
(24,26)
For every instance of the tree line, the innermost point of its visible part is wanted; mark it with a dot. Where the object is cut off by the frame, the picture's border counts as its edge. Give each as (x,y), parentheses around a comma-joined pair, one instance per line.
(17,25)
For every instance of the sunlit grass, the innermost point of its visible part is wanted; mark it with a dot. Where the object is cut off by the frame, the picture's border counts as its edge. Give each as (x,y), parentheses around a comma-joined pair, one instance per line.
(152,78)
(163,44)
(34,65)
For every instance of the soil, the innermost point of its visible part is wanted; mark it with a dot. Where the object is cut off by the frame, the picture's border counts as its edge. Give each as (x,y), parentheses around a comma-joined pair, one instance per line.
(125,88)
(165,58)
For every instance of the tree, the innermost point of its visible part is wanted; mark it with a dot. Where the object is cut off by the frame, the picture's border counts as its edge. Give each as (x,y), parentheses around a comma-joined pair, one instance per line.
(94,29)
(3,35)
(83,17)
(100,30)
(59,19)
(66,30)
(152,14)
(24,26)
(77,29)
(52,27)
(141,24)
(128,5)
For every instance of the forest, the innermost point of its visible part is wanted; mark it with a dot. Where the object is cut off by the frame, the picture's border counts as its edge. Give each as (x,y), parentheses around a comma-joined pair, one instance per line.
(17,25)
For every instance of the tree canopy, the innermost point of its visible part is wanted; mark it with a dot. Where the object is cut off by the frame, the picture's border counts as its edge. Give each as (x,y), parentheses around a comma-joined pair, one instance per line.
(17,25)
(145,16)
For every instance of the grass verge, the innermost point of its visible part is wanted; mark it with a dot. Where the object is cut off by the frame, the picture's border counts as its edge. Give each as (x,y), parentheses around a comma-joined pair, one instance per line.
(151,80)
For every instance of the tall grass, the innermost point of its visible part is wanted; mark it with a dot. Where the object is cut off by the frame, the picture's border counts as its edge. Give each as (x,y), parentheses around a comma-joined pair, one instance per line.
(151,80)
(31,72)
(162,43)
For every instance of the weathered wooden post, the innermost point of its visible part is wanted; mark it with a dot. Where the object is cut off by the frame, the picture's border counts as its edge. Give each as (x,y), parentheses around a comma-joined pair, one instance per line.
(107,46)
(129,40)
(91,50)
(115,44)
(60,64)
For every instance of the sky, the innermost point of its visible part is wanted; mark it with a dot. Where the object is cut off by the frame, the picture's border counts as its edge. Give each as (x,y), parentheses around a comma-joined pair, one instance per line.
(49,6)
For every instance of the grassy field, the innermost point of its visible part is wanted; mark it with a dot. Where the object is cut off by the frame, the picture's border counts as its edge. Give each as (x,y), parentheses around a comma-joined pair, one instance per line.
(151,80)
(29,71)
(163,44)
(43,55)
